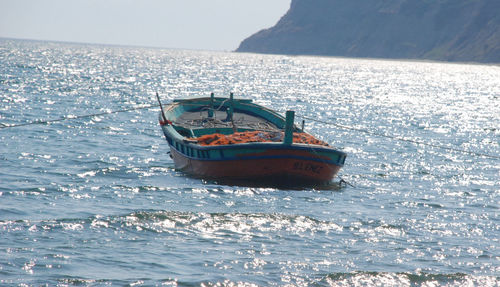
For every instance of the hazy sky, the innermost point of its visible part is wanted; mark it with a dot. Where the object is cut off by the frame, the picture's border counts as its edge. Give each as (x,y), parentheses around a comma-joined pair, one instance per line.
(189,24)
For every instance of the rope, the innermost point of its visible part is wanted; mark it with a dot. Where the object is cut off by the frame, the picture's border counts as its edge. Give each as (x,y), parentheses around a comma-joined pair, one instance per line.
(402,139)
(39,122)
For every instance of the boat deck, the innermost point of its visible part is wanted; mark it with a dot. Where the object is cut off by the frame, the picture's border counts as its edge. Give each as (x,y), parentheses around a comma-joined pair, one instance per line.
(200,119)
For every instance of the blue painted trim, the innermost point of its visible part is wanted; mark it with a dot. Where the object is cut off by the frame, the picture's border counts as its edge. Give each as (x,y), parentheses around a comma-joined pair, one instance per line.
(250,146)
(222,158)
(268,145)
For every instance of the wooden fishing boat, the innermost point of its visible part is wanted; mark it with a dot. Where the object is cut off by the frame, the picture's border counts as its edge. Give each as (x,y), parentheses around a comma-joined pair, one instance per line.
(236,139)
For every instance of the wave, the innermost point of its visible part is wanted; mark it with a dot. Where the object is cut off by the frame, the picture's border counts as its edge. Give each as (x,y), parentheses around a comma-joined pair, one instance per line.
(362,278)
(359,278)
(185,222)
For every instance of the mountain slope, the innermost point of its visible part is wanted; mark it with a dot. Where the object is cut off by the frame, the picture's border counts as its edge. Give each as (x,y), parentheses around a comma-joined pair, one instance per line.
(449,30)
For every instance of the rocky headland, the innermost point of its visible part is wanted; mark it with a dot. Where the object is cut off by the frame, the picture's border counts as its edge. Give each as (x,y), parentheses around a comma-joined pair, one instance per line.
(444,30)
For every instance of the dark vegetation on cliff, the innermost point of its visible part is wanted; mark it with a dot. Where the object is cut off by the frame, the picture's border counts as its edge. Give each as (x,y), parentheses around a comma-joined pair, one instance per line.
(447,30)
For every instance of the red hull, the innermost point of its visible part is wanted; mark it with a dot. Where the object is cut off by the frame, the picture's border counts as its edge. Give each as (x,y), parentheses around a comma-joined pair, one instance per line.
(293,168)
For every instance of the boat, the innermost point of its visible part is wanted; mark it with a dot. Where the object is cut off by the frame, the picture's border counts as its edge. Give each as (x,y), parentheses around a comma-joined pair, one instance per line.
(236,140)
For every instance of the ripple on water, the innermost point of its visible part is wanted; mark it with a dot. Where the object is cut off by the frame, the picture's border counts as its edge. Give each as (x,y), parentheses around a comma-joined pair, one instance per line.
(96,200)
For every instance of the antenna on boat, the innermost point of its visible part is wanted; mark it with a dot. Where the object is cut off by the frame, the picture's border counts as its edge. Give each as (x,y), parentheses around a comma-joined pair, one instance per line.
(290,117)
(211,108)
(230,112)
(161,108)
(230,109)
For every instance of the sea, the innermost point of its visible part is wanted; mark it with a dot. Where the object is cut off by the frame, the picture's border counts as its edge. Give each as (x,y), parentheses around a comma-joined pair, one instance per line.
(89,195)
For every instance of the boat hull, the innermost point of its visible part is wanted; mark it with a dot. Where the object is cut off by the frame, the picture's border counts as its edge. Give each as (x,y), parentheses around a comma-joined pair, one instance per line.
(205,145)
(282,165)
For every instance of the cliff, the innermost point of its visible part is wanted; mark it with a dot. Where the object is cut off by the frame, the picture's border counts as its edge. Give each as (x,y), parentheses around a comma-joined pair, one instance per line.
(446,30)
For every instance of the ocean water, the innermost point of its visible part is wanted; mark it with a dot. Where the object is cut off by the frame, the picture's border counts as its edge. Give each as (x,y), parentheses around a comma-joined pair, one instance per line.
(95,200)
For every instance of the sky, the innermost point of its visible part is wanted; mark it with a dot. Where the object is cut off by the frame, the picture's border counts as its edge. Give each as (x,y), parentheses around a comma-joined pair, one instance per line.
(218,25)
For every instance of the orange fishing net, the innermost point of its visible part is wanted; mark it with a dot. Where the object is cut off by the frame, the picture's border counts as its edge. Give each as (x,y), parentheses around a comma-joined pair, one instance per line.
(255,136)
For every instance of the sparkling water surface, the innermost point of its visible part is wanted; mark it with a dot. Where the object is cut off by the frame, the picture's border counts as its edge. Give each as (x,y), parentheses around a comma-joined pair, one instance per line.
(96,200)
